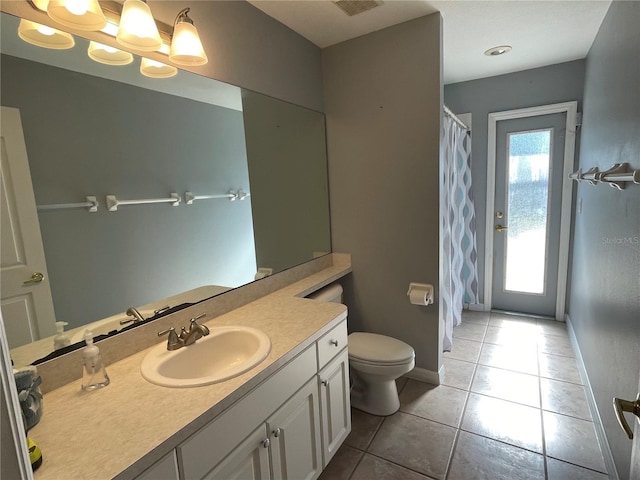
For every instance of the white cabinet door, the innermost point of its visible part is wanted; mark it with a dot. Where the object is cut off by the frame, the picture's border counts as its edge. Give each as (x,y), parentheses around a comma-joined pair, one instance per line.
(335,405)
(249,460)
(295,436)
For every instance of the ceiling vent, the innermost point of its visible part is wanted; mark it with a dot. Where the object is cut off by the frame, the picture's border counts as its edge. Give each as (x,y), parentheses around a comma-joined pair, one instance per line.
(354,7)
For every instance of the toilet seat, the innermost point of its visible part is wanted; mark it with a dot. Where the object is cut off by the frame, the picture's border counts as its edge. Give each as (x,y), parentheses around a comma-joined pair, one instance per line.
(373,349)
(381,364)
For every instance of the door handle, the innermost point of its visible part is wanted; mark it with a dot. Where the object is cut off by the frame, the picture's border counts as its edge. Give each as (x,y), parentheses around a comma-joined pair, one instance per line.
(35,278)
(500,228)
(620,406)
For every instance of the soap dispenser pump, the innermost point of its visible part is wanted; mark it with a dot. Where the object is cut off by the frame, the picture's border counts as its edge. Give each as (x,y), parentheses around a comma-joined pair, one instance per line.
(60,340)
(94,375)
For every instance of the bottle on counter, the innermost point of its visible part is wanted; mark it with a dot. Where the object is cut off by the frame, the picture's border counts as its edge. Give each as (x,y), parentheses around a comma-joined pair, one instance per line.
(60,340)
(94,375)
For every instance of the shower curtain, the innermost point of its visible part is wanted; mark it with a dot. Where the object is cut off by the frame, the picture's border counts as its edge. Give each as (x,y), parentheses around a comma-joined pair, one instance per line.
(459,255)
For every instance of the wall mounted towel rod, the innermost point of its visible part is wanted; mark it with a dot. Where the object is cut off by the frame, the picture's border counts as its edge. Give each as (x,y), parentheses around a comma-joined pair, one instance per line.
(617,176)
(91,205)
(189,197)
(113,202)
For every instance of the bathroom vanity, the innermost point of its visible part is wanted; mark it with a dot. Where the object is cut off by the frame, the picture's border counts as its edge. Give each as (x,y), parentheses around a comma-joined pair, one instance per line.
(285,418)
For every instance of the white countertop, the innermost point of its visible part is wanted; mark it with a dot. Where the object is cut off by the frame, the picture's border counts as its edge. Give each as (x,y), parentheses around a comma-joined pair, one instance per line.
(103,433)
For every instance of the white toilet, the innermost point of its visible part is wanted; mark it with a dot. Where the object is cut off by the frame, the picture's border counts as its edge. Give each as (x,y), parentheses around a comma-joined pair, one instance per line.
(375,361)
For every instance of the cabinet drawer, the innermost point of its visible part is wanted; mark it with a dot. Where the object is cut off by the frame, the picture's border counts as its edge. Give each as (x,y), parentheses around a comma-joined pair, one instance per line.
(332,343)
(201,452)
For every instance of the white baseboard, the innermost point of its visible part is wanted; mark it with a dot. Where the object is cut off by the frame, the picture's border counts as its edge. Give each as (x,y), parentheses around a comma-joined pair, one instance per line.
(424,375)
(475,307)
(593,407)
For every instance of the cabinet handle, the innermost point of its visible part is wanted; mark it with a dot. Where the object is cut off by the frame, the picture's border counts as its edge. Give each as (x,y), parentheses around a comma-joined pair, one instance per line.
(325,382)
(334,342)
(265,443)
(276,432)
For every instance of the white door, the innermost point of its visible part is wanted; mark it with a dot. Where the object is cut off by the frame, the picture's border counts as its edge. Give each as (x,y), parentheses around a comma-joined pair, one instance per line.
(528,196)
(27,305)
(633,432)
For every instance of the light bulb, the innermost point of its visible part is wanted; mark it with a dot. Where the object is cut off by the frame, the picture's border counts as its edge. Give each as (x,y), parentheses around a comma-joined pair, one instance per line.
(45,30)
(77,7)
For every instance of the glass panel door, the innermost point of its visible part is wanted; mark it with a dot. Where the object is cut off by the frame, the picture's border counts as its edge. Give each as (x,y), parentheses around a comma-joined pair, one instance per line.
(529,161)
(528,195)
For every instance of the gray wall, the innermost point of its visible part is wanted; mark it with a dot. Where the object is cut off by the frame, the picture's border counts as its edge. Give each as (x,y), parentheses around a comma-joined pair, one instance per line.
(249,49)
(98,137)
(540,86)
(383,99)
(604,302)
(286,148)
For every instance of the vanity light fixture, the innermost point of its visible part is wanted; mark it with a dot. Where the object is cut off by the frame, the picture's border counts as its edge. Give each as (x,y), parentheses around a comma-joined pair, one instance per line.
(108,55)
(44,36)
(78,14)
(497,51)
(186,47)
(152,69)
(137,29)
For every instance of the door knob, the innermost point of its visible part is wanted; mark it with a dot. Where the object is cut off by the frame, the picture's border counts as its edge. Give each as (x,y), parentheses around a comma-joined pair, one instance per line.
(500,228)
(620,406)
(35,278)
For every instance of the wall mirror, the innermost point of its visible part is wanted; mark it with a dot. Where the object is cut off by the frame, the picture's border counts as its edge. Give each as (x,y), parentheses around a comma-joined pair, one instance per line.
(94,130)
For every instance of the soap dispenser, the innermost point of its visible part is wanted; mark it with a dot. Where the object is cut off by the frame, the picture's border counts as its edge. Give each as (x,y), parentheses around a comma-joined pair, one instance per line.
(60,340)
(93,373)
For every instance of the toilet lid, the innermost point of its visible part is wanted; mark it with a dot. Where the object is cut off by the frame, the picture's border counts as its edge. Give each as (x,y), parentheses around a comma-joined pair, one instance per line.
(375,348)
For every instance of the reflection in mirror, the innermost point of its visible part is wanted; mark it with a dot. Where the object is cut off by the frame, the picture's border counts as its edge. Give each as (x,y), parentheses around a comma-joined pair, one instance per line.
(96,130)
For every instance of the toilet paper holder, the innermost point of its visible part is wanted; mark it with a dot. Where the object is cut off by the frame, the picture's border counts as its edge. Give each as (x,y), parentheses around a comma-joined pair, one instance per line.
(420,293)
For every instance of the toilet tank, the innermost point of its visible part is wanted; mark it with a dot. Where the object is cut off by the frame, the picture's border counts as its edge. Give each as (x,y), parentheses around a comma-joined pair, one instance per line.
(331,293)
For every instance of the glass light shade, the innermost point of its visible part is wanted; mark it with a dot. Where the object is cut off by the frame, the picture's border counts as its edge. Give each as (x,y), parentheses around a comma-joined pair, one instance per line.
(137,28)
(186,47)
(43,36)
(153,69)
(78,14)
(108,55)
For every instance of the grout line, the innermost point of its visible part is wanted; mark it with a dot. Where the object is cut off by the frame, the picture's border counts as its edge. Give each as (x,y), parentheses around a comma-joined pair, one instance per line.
(400,465)
(357,464)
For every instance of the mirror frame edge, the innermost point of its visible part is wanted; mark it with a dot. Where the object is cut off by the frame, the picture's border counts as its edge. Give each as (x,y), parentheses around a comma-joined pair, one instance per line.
(10,393)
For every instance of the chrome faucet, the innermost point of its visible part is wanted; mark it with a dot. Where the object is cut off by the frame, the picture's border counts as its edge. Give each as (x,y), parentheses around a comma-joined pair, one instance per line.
(132,312)
(186,337)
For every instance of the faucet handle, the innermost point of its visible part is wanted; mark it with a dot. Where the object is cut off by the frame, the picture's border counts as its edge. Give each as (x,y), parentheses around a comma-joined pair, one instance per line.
(194,323)
(160,310)
(173,342)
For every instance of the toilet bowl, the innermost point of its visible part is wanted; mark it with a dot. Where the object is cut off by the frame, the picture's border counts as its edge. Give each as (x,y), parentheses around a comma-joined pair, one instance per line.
(376,362)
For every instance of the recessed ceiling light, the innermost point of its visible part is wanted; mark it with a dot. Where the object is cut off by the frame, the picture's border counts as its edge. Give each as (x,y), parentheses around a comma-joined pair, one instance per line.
(495,51)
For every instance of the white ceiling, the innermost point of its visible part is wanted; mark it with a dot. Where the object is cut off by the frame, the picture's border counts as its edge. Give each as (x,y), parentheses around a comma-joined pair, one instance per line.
(541,32)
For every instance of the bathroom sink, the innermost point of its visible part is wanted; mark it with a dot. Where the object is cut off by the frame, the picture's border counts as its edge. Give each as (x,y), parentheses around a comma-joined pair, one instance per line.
(223,354)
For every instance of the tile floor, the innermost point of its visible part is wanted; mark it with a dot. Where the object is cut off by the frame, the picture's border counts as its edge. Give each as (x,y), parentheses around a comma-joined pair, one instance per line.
(510,406)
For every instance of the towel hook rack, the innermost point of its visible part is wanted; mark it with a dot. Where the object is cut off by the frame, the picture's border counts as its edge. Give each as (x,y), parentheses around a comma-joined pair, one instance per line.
(113,203)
